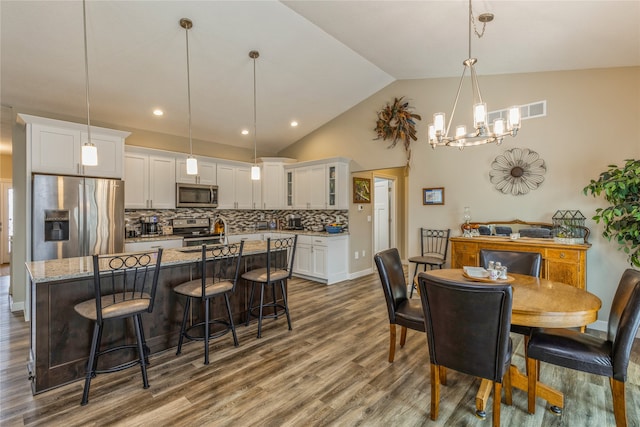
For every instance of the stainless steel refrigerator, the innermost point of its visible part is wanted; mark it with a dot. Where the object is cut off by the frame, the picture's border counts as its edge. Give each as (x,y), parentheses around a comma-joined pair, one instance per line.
(75,216)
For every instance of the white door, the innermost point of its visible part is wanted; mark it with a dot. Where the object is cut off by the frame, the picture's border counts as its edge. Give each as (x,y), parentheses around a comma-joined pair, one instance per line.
(6,221)
(384,202)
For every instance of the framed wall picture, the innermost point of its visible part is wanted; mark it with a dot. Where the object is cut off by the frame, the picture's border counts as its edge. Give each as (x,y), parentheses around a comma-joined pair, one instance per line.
(361,190)
(433,196)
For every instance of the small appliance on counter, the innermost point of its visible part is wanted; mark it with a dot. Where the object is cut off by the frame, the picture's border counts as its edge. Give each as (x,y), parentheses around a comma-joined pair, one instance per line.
(293,222)
(149,226)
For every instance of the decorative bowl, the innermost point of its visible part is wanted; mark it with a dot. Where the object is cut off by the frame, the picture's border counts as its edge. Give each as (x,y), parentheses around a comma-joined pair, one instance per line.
(333,229)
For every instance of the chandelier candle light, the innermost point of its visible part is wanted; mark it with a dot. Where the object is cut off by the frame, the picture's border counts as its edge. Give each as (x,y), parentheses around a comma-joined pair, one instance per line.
(255,169)
(439,134)
(89,151)
(192,162)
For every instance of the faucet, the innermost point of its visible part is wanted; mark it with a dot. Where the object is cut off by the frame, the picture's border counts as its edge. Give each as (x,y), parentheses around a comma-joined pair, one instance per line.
(220,227)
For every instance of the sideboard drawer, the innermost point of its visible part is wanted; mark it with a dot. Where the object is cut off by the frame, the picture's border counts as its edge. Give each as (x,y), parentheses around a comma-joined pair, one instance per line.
(563,254)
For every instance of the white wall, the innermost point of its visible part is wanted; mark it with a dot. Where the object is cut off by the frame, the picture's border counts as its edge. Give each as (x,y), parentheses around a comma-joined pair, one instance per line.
(593,120)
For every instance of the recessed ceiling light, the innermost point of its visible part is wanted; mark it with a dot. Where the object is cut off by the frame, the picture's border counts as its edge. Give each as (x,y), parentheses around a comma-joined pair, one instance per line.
(158,112)
(294,123)
(245,132)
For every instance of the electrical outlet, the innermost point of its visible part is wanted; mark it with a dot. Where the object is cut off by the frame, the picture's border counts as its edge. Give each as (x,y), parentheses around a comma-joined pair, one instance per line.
(363,252)
(355,255)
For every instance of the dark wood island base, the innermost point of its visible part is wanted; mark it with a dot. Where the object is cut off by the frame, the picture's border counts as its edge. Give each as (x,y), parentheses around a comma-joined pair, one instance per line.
(61,339)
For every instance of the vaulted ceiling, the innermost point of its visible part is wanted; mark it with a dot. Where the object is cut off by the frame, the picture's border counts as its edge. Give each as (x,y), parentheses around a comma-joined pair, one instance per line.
(317,58)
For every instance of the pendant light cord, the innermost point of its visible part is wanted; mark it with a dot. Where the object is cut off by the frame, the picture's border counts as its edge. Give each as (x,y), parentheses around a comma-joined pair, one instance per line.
(255,136)
(86,67)
(187,26)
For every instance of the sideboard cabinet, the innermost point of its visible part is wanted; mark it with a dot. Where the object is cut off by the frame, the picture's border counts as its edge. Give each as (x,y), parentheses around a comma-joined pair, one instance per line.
(566,263)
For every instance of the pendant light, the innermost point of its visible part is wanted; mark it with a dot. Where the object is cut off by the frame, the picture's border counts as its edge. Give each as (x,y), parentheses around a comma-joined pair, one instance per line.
(89,153)
(192,162)
(255,169)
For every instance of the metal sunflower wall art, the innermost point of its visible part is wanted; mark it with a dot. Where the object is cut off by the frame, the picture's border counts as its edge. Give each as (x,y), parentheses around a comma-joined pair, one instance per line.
(517,171)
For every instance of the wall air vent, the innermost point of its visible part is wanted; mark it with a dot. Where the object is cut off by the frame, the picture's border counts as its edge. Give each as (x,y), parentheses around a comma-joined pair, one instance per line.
(527,111)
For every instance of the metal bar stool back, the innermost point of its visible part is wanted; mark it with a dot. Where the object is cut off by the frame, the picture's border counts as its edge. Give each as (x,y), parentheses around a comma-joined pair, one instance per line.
(433,251)
(219,267)
(124,287)
(279,268)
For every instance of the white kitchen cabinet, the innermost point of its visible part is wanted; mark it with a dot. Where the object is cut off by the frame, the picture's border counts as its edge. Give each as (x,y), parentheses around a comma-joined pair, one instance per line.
(322,258)
(153,244)
(56,148)
(321,184)
(273,181)
(207,172)
(338,185)
(235,187)
(309,187)
(150,179)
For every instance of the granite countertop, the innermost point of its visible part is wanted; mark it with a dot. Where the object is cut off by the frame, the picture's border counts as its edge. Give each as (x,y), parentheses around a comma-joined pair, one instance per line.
(73,268)
(153,239)
(240,233)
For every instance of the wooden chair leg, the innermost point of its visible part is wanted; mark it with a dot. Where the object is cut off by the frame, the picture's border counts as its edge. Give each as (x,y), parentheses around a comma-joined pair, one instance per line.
(403,335)
(508,391)
(532,367)
(497,394)
(619,402)
(443,375)
(392,341)
(435,391)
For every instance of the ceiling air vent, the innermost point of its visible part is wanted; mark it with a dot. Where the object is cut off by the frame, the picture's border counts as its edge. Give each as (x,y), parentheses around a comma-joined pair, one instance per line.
(527,111)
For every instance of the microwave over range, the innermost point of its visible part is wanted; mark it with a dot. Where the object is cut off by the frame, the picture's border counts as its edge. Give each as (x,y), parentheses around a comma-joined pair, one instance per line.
(196,196)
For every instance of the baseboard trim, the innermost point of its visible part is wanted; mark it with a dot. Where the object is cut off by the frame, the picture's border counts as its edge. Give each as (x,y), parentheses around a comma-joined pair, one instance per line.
(18,306)
(361,273)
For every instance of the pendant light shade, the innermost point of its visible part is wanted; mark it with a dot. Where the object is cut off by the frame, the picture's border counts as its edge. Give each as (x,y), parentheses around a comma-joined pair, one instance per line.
(89,154)
(255,169)
(192,162)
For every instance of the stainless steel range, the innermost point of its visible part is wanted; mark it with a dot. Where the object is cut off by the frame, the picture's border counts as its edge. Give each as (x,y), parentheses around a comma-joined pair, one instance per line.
(196,232)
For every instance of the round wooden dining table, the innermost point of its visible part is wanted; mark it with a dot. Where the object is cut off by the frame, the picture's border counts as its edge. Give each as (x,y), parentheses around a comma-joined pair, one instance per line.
(536,303)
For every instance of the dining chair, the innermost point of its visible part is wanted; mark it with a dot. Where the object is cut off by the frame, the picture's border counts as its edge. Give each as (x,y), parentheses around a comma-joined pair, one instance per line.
(218,267)
(584,352)
(518,262)
(402,310)
(278,269)
(433,251)
(467,328)
(124,287)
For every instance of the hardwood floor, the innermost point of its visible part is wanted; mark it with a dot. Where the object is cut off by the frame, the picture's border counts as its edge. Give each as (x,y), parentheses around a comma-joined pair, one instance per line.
(331,370)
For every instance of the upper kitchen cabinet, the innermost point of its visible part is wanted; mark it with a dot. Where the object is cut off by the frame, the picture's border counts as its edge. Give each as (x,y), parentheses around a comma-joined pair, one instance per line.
(235,187)
(319,184)
(272,181)
(150,179)
(207,172)
(55,147)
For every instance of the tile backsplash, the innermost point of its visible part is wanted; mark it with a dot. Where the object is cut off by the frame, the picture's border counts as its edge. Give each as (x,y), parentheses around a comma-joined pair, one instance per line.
(239,221)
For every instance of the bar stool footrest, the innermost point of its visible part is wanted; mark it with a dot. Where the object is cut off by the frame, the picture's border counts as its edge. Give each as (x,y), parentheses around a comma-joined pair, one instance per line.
(213,335)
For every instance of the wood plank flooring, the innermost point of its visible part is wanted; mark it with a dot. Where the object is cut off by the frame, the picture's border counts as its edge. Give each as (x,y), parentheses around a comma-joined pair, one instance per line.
(331,370)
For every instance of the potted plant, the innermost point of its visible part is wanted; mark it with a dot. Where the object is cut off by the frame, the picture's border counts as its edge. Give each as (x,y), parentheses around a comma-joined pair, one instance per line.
(621,188)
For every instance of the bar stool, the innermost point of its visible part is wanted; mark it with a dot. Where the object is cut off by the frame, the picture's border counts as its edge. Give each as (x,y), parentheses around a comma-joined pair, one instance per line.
(219,268)
(124,288)
(280,255)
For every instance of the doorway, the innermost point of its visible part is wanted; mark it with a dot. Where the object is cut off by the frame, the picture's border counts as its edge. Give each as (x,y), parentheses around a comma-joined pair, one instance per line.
(6,221)
(384,216)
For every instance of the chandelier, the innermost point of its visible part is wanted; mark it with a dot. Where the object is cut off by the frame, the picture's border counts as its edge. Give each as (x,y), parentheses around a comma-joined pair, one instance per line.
(192,162)
(482,133)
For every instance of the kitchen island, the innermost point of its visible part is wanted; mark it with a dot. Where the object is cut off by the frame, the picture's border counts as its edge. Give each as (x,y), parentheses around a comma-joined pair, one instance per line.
(60,338)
